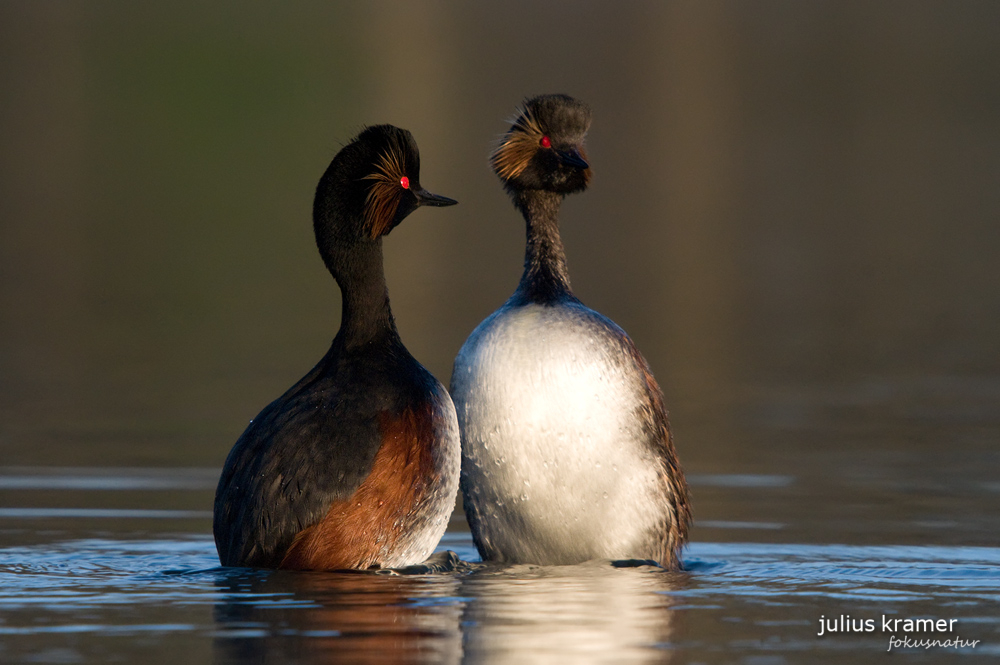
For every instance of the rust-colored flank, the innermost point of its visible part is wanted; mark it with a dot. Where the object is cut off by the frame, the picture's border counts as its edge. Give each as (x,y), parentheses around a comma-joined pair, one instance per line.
(357,533)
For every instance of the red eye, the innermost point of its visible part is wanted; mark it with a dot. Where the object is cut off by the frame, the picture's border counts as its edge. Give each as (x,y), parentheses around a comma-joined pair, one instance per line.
(404,182)
(546,143)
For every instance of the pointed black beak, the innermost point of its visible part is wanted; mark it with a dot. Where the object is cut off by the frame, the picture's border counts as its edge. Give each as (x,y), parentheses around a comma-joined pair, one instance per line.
(425,198)
(572,157)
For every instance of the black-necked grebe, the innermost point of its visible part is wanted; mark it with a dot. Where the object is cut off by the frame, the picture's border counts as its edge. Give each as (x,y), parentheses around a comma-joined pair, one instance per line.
(566,448)
(357,464)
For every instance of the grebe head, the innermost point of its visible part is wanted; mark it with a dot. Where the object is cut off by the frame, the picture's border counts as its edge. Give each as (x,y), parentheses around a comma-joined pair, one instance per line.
(543,149)
(369,188)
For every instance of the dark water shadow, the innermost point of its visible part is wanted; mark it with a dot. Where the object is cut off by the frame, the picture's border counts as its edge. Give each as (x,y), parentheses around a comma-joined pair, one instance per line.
(321,617)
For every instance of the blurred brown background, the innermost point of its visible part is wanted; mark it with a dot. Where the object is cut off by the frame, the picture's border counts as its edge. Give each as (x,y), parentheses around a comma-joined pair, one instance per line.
(794,214)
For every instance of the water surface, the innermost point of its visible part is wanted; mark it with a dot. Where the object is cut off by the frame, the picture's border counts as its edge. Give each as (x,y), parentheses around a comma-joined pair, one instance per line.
(144,585)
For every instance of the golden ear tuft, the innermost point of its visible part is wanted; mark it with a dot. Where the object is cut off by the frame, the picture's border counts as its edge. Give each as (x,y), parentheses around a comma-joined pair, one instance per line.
(386,192)
(517,148)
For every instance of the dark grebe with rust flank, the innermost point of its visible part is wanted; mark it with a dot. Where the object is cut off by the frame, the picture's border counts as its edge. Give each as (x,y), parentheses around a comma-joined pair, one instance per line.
(566,448)
(357,464)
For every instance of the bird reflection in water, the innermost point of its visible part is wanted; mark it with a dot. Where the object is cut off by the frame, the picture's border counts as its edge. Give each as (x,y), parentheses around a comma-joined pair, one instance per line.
(594,612)
(590,612)
(324,617)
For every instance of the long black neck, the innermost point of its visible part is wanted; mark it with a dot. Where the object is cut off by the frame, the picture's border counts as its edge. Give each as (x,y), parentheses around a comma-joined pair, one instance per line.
(366,317)
(546,278)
